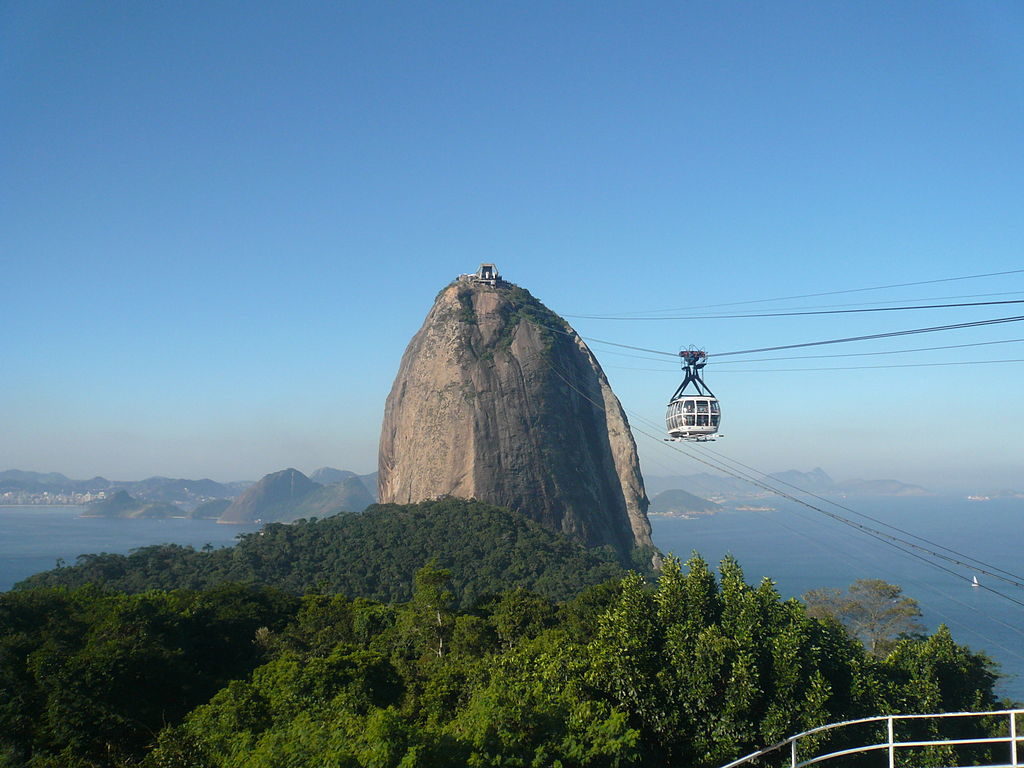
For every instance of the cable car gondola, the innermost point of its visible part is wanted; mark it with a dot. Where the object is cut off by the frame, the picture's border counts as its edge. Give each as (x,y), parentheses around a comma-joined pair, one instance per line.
(693,416)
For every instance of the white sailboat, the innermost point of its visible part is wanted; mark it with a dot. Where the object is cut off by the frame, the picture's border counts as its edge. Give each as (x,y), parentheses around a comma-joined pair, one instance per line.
(974,582)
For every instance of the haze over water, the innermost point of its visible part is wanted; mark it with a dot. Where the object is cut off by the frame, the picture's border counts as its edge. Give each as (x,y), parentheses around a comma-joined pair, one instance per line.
(33,538)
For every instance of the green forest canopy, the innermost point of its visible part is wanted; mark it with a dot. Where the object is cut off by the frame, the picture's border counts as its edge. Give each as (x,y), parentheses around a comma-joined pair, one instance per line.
(694,672)
(373,555)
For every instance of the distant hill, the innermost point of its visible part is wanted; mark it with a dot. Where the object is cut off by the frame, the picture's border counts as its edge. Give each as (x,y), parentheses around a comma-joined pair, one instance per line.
(816,480)
(1007,493)
(702,484)
(350,495)
(677,503)
(271,499)
(881,488)
(330,475)
(373,554)
(370,483)
(120,504)
(177,489)
(210,510)
(289,495)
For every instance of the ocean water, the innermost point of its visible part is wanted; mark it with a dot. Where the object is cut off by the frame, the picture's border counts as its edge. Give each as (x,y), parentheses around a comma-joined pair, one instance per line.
(801,550)
(33,538)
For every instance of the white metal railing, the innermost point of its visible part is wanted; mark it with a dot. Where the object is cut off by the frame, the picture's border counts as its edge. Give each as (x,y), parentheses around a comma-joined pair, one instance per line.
(1014,739)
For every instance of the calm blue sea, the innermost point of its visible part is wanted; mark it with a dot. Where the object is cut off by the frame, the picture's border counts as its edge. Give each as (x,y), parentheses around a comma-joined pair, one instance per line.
(800,550)
(33,538)
(797,548)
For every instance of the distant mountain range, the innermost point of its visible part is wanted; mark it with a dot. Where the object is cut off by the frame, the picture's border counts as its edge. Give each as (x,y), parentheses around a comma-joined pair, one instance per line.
(328,490)
(348,489)
(153,489)
(724,488)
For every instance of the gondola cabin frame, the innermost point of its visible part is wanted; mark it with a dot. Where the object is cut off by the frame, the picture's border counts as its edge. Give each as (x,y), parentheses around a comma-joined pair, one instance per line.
(693,415)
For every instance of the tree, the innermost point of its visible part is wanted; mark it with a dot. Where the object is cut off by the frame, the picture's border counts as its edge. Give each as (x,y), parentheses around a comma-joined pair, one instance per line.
(874,611)
(431,606)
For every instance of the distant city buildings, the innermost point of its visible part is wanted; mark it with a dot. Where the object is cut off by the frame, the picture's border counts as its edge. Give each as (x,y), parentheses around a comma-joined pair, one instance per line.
(47,499)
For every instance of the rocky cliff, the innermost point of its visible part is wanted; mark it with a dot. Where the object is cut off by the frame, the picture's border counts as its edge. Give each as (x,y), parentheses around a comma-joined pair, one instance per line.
(498,399)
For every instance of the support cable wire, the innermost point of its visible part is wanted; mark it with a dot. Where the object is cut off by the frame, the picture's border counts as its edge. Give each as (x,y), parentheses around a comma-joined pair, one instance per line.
(870,354)
(895,542)
(907,547)
(846,367)
(869,337)
(640,314)
(848,290)
(1012,578)
(917,583)
(765,480)
(1011,627)
(923,585)
(890,334)
(880,535)
(891,541)
(799,313)
(825,357)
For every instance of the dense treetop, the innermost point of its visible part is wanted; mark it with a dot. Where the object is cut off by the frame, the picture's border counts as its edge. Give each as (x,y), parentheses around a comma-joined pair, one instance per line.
(372,555)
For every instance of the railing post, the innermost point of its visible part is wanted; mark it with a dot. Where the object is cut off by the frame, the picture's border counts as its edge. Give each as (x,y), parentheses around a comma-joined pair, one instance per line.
(792,753)
(1013,740)
(892,748)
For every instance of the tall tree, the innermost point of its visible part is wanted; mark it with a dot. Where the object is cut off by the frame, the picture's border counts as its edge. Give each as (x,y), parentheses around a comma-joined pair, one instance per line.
(874,611)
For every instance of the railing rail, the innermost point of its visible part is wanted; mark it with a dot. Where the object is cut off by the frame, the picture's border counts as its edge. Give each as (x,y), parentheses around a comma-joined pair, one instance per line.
(1013,739)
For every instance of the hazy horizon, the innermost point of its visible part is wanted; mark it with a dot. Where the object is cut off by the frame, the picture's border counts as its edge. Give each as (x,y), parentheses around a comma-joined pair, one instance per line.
(938,484)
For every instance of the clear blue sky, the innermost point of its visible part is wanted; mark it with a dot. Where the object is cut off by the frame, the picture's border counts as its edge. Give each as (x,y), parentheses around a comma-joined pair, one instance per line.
(220,223)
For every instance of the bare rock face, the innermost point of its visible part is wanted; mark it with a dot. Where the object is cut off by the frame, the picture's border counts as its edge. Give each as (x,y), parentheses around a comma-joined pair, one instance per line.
(498,399)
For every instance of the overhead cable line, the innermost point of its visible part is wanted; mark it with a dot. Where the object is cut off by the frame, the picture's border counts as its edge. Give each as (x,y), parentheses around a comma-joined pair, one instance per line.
(872,367)
(848,290)
(870,354)
(852,558)
(639,313)
(894,541)
(890,334)
(802,313)
(766,480)
(908,547)
(918,583)
(840,367)
(825,357)
(868,337)
(824,368)
(1013,578)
